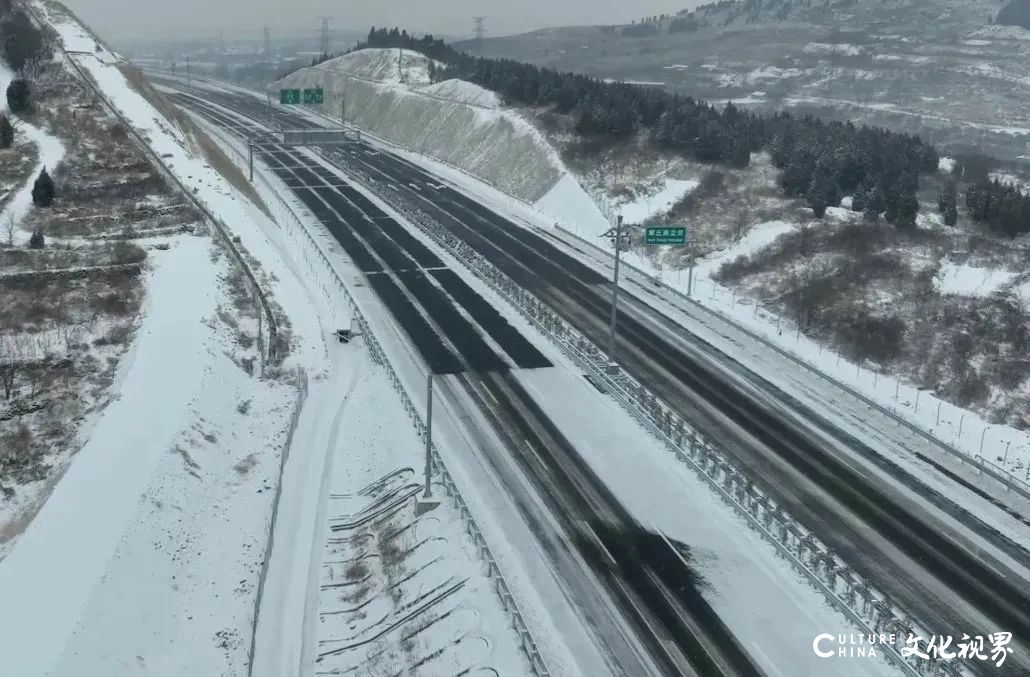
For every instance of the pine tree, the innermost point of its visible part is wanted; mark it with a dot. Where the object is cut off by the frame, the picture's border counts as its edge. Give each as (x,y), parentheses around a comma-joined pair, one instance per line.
(18,96)
(874,204)
(951,215)
(906,211)
(43,190)
(6,132)
(37,241)
(822,191)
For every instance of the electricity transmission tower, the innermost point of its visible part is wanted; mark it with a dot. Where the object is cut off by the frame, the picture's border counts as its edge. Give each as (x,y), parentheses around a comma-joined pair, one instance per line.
(268,43)
(325,35)
(479,31)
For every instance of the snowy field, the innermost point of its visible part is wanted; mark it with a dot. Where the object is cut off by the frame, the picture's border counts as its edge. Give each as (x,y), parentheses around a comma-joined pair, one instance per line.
(165,514)
(648,206)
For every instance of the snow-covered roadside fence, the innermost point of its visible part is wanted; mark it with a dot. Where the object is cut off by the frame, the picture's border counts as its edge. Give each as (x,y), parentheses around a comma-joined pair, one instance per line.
(843,588)
(266,348)
(302,396)
(975,460)
(295,228)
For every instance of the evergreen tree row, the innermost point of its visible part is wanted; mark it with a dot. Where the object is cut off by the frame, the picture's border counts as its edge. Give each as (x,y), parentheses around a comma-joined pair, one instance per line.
(821,160)
(1002,207)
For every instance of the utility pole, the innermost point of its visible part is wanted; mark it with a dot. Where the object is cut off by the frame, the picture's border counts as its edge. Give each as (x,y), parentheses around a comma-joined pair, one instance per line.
(690,272)
(343,111)
(426,502)
(478,31)
(189,83)
(429,436)
(618,236)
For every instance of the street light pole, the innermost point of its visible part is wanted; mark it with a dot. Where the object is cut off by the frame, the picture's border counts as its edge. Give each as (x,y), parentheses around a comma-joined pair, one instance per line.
(429,436)
(615,295)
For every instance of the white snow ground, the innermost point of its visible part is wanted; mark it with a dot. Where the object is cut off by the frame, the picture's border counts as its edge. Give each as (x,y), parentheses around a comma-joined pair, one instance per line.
(645,207)
(364,570)
(965,280)
(134,545)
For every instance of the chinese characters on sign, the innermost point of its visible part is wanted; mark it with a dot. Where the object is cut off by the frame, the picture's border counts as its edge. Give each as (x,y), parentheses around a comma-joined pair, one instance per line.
(665,235)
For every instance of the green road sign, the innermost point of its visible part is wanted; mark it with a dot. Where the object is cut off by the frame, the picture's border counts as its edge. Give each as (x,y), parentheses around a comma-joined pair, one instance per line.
(665,235)
(289,96)
(314,96)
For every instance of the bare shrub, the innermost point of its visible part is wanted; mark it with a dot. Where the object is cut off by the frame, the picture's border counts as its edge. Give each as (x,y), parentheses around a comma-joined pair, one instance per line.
(9,228)
(711,183)
(1012,373)
(971,388)
(16,451)
(127,252)
(112,303)
(356,571)
(869,337)
(118,132)
(246,465)
(118,334)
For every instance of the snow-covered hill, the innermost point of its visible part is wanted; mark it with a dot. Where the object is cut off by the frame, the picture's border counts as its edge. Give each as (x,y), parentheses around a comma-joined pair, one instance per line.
(388,93)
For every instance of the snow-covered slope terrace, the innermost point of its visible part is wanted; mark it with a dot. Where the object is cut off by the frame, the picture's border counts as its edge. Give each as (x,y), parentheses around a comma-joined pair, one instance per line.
(388,93)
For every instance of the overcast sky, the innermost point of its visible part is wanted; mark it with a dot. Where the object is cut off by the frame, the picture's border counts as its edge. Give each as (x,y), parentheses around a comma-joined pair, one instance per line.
(125,19)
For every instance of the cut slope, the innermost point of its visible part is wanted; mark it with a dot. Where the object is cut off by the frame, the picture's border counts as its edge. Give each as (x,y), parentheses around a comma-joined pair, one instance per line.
(387,93)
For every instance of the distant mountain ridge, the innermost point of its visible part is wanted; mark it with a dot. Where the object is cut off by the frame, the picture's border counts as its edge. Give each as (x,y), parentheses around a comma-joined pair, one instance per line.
(944,69)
